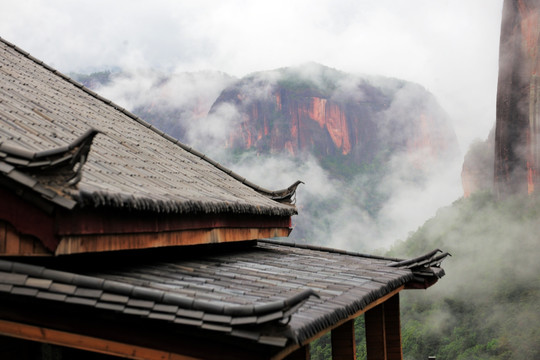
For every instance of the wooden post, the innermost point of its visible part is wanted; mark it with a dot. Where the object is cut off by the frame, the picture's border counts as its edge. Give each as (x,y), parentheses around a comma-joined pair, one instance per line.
(300,354)
(343,344)
(393,328)
(383,331)
(375,333)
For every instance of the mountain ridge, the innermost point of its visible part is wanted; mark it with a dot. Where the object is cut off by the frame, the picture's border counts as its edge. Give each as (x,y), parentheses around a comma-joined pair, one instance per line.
(323,110)
(330,113)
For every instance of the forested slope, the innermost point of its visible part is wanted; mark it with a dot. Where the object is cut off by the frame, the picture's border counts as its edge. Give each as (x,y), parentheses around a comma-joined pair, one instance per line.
(486,307)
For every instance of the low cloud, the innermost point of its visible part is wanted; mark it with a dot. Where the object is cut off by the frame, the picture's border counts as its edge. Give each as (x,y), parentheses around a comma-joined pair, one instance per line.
(214,129)
(342,213)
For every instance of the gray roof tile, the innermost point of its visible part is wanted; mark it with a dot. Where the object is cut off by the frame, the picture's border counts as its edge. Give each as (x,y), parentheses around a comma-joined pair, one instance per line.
(166,308)
(216,327)
(273,340)
(161,316)
(110,306)
(43,115)
(13,279)
(270,317)
(114,298)
(81,301)
(6,288)
(190,322)
(51,296)
(88,293)
(38,283)
(17,290)
(334,286)
(134,311)
(217,318)
(141,303)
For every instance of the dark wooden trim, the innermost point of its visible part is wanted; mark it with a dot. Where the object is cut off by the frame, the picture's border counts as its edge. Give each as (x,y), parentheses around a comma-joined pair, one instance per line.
(106,229)
(375,333)
(417,285)
(302,353)
(392,321)
(28,219)
(88,343)
(343,342)
(115,221)
(64,324)
(112,242)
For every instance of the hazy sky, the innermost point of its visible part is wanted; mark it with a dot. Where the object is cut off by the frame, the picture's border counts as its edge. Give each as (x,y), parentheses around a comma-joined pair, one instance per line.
(448,46)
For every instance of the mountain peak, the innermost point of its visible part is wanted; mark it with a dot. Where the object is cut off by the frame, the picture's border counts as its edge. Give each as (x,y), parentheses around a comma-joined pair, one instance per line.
(326,112)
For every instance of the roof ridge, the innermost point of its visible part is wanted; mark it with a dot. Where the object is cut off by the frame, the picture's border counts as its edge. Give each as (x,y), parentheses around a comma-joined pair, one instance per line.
(424,267)
(328,249)
(282,196)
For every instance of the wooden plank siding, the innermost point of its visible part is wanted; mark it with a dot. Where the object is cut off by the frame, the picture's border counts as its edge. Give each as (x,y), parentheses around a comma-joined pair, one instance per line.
(112,242)
(32,231)
(12,243)
(114,221)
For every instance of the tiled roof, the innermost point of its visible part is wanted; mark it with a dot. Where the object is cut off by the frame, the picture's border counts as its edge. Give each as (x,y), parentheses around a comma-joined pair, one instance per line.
(43,117)
(271,293)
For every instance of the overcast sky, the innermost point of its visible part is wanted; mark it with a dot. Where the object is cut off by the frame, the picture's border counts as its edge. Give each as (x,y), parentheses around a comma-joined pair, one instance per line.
(448,46)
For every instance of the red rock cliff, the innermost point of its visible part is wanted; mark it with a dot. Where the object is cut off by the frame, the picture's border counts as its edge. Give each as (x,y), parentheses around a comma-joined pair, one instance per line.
(358,124)
(517,135)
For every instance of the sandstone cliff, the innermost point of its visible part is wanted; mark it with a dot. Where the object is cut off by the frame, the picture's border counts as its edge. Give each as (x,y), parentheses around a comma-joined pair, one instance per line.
(517,135)
(332,114)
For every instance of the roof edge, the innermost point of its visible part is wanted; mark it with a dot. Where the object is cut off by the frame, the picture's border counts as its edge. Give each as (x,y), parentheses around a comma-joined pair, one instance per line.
(283,196)
(425,270)
(328,249)
(280,309)
(86,198)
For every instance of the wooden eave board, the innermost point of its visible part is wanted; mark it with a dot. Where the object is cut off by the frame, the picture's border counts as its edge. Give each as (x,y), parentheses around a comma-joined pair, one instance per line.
(31,230)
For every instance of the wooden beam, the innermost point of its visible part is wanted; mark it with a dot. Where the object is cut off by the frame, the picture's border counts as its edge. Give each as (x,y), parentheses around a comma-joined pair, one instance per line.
(375,333)
(383,331)
(88,343)
(392,326)
(111,242)
(343,342)
(181,342)
(302,353)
